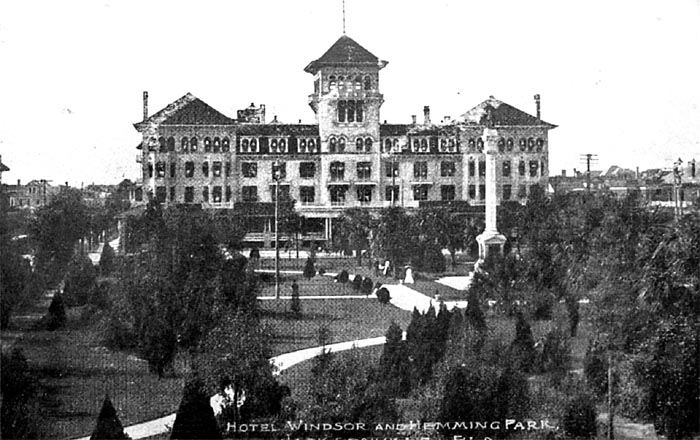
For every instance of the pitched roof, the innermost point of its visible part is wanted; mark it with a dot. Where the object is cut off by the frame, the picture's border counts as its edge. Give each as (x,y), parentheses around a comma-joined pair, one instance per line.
(502,115)
(393,129)
(189,110)
(278,129)
(344,52)
(4,167)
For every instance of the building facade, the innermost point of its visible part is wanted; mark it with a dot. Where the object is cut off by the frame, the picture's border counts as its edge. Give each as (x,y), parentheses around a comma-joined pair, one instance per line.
(192,154)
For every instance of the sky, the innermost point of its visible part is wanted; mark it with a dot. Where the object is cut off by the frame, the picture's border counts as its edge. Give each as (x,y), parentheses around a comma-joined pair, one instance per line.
(620,79)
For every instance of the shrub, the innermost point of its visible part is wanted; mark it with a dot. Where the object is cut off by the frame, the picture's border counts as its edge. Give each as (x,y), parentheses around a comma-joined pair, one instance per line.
(295,304)
(21,410)
(108,424)
(555,353)
(343,276)
(523,346)
(357,282)
(195,418)
(309,268)
(431,259)
(542,305)
(383,295)
(56,316)
(595,368)
(367,286)
(118,335)
(80,282)
(107,260)
(579,418)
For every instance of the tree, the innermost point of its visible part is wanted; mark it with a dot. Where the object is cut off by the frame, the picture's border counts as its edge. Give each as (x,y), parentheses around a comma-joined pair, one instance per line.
(383,295)
(56,316)
(195,418)
(21,412)
(579,419)
(15,275)
(310,268)
(352,231)
(523,346)
(80,282)
(108,424)
(106,260)
(357,282)
(394,237)
(295,305)
(367,286)
(394,367)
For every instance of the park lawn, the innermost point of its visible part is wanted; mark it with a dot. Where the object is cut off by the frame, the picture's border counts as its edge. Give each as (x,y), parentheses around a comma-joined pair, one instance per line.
(346,320)
(76,372)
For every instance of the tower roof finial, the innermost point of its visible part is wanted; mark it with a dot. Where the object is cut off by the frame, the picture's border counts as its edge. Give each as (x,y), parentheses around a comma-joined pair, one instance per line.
(343,17)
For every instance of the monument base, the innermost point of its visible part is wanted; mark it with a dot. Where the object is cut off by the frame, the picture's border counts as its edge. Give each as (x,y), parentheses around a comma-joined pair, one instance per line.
(490,243)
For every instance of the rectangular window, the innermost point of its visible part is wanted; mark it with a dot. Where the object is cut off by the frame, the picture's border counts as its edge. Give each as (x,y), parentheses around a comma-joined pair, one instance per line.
(337,171)
(447,169)
(364,194)
(506,168)
(533,168)
(507,190)
(420,170)
(216,169)
(307,170)
(138,195)
(338,195)
(482,192)
(160,169)
(205,169)
(471,168)
(249,193)
(447,192)
(482,168)
(205,194)
(150,170)
(472,192)
(284,192)
(341,111)
(358,110)
(228,169)
(279,170)
(189,169)
(522,191)
(521,168)
(391,169)
(391,193)
(216,194)
(189,194)
(364,170)
(420,192)
(307,194)
(249,169)
(228,193)
(172,193)
(161,193)
(173,169)
(351,111)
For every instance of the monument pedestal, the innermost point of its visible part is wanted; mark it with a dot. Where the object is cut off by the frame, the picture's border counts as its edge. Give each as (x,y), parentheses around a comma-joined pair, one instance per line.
(490,243)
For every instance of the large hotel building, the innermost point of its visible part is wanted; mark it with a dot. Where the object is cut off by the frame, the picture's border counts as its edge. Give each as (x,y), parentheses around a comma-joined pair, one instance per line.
(193,154)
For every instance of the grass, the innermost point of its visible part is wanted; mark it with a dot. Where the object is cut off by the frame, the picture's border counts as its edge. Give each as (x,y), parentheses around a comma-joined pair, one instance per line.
(76,372)
(346,319)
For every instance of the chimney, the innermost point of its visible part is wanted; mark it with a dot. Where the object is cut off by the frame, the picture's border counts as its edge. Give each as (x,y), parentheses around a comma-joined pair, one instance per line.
(537,105)
(448,119)
(413,119)
(636,174)
(426,114)
(145,105)
(563,173)
(19,183)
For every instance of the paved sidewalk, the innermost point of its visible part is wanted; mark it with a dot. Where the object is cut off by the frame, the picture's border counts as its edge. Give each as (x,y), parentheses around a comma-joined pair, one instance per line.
(405,298)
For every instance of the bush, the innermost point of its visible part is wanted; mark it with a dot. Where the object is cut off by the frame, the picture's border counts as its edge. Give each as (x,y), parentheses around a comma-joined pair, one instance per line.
(80,282)
(309,268)
(295,304)
(342,277)
(595,369)
(367,286)
(555,353)
(108,424)
(523,346)
(383,295)
(357,282)
(107,260)
(56,316)
(21,410)
(542,305)
(579,419)
(119,335)
(431,259)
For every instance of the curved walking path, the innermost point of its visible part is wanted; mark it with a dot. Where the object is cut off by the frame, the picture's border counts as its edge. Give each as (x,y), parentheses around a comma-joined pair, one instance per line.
(402,297)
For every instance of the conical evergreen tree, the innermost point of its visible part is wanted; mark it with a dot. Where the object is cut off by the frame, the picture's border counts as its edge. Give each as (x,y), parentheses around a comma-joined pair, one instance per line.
(108,424)
(195,418)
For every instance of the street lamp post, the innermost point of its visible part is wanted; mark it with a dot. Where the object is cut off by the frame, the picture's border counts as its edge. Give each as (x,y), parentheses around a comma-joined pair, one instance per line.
(276,176)
(677,173)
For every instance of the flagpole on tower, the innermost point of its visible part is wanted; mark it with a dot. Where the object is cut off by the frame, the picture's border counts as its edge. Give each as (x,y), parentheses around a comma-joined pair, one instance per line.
(343,17)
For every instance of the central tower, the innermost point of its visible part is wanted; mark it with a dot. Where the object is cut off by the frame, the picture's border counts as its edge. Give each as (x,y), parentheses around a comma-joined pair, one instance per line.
(346,101)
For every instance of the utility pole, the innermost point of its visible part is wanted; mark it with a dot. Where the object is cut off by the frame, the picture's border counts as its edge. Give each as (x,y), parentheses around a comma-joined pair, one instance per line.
(677,173)
(588,158)
(276,175)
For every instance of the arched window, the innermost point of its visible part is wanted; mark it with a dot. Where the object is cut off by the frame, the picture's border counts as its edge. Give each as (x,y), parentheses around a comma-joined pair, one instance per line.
(244,145)
(171,143)
(368,83)
(302,145)
(225,145)
(368,144)
(501,145)
(253,145)
(332,144)
(416,145)
(523,144)
(273,146)
(358,83)
(312,145)
(217,145)
(423,145)
(387,145)
(452,145)
(193,144)
(540,144)
(471,144)
(530,144)
(283,145)
(162,144)
(332,82)
(152,143)
(184,145)
(358,144)
(443,144)
(509,144)
(207,145)
(341,81)
(479,144)
(341,144)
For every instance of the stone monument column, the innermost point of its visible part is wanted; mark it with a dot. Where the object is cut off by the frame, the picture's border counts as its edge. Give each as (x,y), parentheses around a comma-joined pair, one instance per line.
(490,241)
